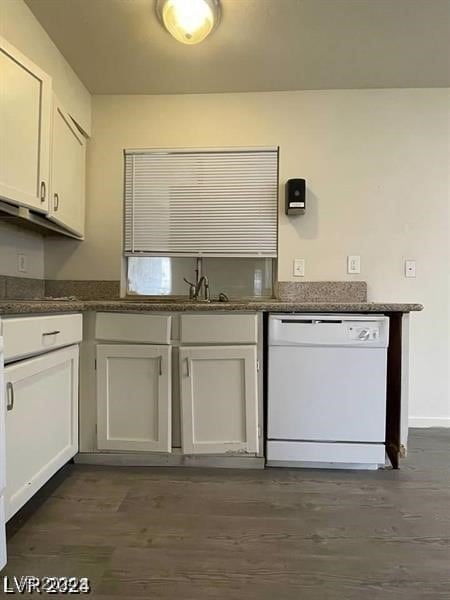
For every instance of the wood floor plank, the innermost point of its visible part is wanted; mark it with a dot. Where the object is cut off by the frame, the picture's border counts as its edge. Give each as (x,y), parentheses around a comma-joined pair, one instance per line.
(335,564)
(150,533)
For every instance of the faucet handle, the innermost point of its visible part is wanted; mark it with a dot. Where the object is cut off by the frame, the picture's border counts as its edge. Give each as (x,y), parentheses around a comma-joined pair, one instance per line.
(207,293)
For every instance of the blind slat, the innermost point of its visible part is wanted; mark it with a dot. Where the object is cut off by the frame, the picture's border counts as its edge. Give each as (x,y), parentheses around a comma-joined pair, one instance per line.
(201,202)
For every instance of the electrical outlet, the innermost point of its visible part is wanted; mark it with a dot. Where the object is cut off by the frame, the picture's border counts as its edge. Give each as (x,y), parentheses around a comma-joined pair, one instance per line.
(299,267)
(22,263)
(410,268)
(353,264)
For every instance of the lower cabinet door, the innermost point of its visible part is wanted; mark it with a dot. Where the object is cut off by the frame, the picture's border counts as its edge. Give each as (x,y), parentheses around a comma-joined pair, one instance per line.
(219,399)
(41,422)
(134,397)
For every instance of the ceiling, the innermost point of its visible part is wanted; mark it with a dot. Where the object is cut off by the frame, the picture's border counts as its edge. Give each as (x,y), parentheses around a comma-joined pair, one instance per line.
(119,47)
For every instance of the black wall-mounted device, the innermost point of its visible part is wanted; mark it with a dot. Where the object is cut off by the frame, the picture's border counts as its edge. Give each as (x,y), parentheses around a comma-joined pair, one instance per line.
(295,196)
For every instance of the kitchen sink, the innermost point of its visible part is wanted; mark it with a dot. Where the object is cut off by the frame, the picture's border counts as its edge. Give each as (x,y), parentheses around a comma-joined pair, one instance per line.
(174,300)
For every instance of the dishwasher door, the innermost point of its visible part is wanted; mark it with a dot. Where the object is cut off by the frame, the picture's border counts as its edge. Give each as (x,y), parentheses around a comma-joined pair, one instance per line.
(327,378)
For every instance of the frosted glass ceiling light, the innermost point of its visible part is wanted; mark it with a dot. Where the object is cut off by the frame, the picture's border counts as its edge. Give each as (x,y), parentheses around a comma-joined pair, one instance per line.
(188,21)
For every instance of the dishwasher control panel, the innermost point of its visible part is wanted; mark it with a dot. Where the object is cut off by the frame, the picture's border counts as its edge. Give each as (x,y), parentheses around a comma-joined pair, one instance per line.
(300,329)
(363,333)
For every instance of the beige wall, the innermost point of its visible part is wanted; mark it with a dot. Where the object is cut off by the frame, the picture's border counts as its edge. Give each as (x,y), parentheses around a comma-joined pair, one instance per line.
(376,162)
(19,26)
(15,241)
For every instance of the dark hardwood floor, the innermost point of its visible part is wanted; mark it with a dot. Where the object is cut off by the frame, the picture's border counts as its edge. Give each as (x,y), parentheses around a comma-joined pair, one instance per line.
(276,534)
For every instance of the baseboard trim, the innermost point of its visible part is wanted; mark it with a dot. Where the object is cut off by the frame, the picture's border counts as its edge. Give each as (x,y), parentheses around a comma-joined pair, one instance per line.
(429,421)
(168,460)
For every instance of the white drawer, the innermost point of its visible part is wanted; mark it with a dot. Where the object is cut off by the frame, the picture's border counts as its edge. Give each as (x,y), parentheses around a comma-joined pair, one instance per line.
(24,336)
(219,329)
(145,328)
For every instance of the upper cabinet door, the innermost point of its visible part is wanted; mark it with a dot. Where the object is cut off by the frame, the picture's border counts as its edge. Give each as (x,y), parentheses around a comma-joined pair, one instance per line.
(67,180)
(25,119)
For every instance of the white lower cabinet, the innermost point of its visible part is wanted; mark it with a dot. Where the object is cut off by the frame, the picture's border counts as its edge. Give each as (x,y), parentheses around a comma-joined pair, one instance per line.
(134,397)
(219,399)
(174,383)
(41,422)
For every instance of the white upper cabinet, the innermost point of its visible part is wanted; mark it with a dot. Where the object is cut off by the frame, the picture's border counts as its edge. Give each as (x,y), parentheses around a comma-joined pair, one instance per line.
(42,152)
(25,119)
(67,174)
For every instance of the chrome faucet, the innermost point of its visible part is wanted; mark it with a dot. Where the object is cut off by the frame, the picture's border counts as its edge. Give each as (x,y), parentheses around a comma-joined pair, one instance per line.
(205,282)
(200,281)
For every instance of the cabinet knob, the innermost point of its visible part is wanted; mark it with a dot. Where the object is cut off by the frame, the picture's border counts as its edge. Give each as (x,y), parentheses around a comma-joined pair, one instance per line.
(9,396)
(188,367)
(55,202)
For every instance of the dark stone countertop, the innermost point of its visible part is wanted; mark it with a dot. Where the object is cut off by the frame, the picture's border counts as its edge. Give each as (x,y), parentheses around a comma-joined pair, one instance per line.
(46,306)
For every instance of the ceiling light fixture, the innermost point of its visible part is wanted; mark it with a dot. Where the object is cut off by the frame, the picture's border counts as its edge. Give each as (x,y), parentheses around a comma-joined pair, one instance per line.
(189,21)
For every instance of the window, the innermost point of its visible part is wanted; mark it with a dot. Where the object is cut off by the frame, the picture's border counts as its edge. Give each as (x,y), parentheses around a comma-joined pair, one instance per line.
(150,276)
(164,276)
(214,204)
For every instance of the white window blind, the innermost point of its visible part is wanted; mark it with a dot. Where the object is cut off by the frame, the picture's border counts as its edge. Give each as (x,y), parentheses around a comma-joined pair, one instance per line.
(207,202)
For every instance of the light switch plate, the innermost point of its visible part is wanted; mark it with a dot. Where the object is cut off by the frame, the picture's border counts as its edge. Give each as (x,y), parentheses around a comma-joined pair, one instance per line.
(299,267)
(22,263)
(353,264)
(410,268)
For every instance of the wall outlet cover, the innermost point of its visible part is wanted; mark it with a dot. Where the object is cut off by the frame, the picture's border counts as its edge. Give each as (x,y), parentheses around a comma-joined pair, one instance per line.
(353,264)
(299,267)
(410,268)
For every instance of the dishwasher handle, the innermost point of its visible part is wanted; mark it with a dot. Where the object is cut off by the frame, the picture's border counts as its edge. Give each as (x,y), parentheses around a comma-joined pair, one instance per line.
(312,321)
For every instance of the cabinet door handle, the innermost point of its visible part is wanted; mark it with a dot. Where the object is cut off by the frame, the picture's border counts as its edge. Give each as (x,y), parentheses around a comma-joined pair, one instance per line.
(188,367)
(43,191)
(55,202)
(9,396)
(160,365)
(51,332)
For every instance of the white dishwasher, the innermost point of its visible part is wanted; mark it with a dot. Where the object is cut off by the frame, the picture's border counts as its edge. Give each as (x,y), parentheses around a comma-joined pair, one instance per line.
(327,390)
